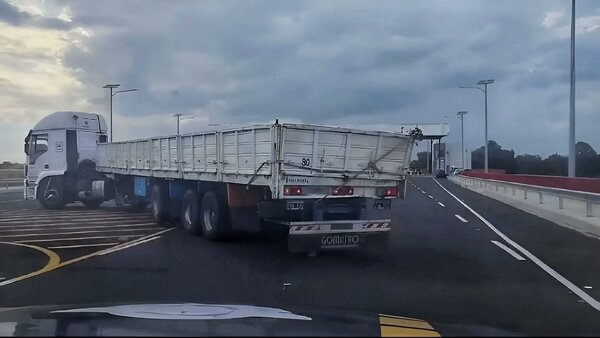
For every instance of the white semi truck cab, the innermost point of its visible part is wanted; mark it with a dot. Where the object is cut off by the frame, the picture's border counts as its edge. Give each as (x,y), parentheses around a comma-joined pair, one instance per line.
(61,151)
(326,187)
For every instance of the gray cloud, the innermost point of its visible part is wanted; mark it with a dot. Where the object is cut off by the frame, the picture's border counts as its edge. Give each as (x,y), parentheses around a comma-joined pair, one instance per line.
(13,16)
(341,62)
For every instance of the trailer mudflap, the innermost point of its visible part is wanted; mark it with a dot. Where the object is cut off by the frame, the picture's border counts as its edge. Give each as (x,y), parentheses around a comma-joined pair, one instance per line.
(335,235)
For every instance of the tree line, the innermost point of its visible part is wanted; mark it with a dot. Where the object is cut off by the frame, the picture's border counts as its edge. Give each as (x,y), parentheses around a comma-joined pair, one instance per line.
(587,161)
(9,165)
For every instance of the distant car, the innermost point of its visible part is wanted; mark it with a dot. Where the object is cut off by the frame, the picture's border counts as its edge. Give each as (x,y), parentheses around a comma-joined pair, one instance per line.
(441,174)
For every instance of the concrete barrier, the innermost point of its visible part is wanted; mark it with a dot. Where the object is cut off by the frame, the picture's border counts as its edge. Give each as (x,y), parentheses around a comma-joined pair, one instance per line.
(573,209)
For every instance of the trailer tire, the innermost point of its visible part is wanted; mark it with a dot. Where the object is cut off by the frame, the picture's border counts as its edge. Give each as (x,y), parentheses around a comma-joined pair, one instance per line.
(212,217)
(51,193)
(159,203)
(190,215)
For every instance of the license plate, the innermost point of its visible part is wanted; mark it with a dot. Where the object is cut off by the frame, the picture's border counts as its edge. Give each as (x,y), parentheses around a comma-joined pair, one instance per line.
(295,205)
(339,240)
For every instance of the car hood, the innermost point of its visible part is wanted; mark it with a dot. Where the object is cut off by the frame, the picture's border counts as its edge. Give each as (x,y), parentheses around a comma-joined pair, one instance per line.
(196,319)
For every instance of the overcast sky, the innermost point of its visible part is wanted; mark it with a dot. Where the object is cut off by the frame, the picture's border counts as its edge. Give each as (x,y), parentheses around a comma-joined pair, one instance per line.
(345,63)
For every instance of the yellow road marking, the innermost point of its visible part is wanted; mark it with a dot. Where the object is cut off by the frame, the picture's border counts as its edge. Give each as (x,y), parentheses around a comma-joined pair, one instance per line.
(394,331)
(405,323)
(397,326)
(53,263)
(113,249)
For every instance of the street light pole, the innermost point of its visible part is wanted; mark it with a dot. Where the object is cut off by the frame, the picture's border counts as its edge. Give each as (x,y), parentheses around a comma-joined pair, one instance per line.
(111,87)
(461,115)
(111,119)
(572,150)
(486,130)
(484,90)
(179,118)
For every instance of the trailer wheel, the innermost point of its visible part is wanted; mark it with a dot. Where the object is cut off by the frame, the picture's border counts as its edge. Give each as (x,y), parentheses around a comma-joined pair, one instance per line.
(212,217)
(159,203)
(51,193)
(190,217)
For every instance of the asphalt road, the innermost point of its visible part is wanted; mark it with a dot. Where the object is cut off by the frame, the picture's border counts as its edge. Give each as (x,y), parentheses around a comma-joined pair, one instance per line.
(444,265)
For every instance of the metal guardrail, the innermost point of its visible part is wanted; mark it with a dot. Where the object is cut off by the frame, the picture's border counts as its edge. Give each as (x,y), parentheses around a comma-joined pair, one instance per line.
(589,199)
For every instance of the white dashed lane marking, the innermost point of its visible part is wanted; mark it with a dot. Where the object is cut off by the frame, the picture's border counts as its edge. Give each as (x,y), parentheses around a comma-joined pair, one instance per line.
(509,250)
(461,219)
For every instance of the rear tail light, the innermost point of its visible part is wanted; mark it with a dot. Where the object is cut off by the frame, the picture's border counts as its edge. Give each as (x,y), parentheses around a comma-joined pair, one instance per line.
(343,191)
(290,190)
(387,192)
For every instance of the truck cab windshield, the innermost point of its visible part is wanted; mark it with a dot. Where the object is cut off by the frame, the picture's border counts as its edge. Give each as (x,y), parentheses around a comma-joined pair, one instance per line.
(39,145)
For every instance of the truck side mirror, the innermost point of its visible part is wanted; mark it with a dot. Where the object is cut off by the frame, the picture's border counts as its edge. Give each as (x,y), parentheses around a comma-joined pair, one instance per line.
(26,146)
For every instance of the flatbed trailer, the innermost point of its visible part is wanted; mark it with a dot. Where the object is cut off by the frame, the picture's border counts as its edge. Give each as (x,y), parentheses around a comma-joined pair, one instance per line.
(326,187)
